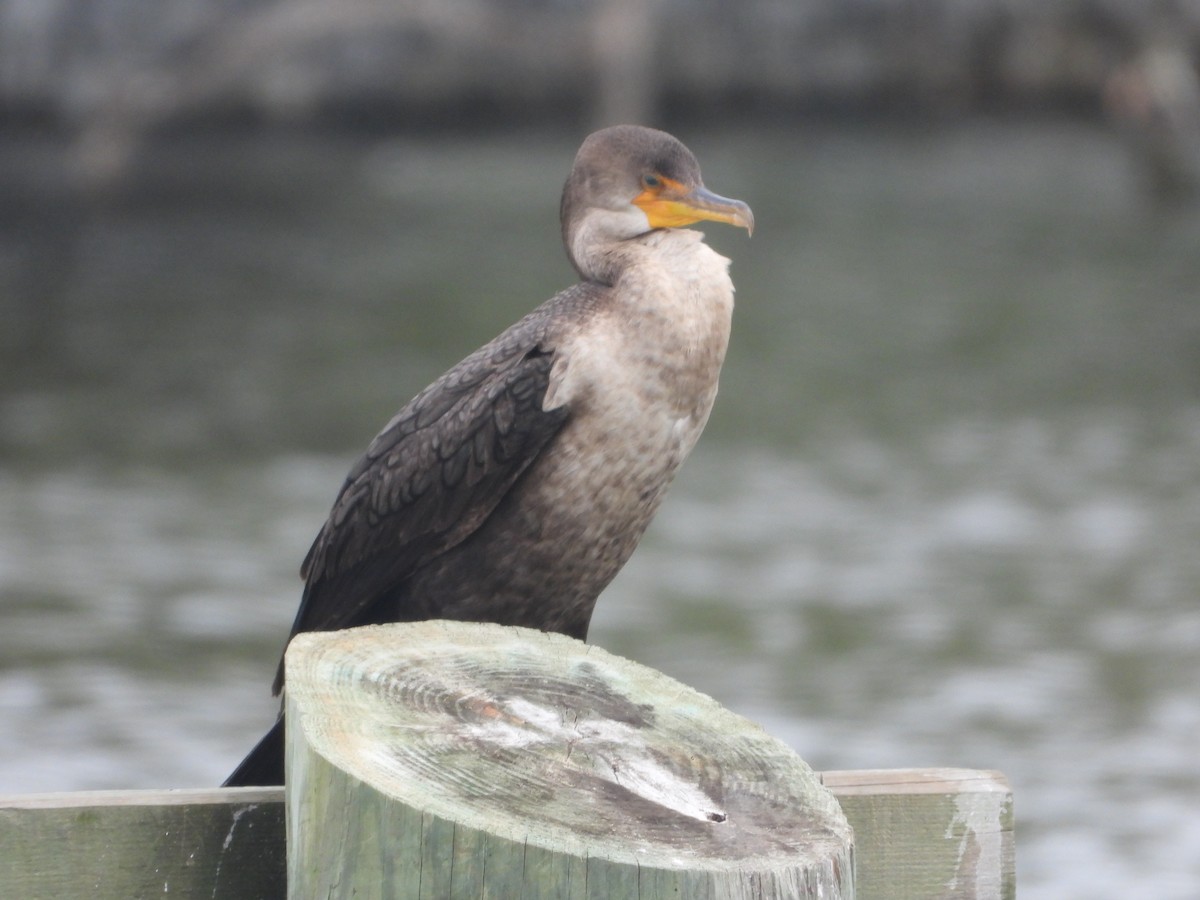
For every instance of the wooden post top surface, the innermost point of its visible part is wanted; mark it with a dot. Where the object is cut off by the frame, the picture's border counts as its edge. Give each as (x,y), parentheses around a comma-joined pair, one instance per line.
(546,741)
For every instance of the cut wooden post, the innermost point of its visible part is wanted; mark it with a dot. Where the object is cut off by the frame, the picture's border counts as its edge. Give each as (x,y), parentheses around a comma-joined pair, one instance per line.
(443,759)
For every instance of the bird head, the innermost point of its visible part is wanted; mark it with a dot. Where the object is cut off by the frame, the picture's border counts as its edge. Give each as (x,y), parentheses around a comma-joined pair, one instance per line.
(628,180)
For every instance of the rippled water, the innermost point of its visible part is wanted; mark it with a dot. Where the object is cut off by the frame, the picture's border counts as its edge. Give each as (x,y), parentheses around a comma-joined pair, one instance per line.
(945,514)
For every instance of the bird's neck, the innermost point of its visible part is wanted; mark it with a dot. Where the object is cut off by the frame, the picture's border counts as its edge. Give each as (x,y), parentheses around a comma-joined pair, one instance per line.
(603,242)
(678,290)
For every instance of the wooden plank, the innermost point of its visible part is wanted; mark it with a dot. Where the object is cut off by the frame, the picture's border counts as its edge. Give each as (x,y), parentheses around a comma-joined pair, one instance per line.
(919,833)
(127,845)
(930,833)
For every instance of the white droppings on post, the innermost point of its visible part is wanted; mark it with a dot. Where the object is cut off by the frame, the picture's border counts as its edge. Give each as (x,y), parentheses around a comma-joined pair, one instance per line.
(605,748)
(978,826)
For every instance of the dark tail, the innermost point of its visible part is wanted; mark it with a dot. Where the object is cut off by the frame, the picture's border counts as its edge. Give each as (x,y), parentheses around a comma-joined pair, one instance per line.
(263,766)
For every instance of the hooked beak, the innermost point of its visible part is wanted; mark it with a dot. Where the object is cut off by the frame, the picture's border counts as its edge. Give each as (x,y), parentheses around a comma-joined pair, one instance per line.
(671,204)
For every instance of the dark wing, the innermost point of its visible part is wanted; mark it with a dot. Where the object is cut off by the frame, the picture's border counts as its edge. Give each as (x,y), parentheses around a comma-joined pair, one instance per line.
(431,477)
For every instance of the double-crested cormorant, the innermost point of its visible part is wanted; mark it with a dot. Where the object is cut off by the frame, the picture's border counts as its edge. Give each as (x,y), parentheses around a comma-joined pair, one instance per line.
(514,487)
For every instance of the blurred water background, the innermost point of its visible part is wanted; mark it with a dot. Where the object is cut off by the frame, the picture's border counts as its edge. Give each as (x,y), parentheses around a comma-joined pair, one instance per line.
(946,512)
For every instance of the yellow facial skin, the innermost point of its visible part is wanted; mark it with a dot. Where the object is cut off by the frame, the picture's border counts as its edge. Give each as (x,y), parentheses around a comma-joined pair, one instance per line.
(669,204)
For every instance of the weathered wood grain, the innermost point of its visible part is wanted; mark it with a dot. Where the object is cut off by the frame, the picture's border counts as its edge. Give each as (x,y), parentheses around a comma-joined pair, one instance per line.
(930,833)
(919,833)
(414,736)
(105,845)
(230,843)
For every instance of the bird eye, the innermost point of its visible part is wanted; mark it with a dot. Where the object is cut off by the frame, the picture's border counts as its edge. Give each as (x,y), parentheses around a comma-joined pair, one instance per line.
(651,181)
